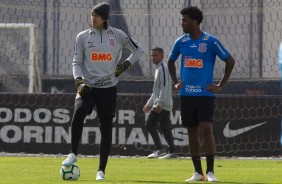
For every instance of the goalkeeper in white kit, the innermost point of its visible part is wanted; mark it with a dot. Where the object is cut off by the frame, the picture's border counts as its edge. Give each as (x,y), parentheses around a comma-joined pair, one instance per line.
(95,70)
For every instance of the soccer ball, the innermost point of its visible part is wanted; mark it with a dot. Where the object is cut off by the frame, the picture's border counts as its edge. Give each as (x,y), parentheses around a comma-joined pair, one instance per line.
(70,173)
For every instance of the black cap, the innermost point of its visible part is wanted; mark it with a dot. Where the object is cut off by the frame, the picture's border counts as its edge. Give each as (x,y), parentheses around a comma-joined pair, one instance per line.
(102,9)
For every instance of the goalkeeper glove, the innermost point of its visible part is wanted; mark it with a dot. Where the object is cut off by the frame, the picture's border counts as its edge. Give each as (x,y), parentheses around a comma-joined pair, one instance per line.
(82,88)
(122,67)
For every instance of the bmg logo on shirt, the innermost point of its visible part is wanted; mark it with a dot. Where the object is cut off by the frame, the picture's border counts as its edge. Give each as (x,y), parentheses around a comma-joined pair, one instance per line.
(100,56)
(193,63)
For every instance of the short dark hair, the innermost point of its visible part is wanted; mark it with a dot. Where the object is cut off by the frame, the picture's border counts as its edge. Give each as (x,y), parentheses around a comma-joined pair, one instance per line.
(158,49)
(193,12)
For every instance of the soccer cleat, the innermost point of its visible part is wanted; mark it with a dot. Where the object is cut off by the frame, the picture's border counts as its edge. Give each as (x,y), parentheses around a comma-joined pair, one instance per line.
(157,153)
(210,177)
(196,177)
(100,175)
(169,156)
(71,159)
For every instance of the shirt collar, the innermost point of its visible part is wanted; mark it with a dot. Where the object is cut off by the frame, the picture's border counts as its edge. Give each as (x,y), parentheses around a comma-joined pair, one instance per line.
(156,66)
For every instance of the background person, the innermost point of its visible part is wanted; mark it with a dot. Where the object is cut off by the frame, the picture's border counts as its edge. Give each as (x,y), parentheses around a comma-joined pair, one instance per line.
(198,51)
(95,70)
(159,105)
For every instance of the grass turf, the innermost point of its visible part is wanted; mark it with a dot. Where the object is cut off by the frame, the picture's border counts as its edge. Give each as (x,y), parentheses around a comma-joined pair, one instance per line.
(45,170)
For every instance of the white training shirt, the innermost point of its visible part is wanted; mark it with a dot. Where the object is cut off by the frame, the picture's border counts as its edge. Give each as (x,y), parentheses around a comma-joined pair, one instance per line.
(162,89)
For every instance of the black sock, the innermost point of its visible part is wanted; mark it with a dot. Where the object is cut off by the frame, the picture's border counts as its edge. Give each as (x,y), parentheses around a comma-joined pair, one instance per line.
(210,163)
(197,164)
(105,144)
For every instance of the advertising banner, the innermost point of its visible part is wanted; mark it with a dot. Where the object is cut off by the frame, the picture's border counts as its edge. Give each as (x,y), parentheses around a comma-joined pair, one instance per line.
(41,123)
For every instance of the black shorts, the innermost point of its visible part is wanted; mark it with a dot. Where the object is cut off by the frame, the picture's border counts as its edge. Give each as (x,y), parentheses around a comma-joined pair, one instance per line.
(195,109)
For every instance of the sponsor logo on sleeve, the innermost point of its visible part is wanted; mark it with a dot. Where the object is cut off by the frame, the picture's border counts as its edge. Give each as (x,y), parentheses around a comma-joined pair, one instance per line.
(184,39)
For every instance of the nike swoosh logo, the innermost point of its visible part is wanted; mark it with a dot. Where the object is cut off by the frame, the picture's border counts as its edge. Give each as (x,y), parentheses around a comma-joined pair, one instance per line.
(227,132)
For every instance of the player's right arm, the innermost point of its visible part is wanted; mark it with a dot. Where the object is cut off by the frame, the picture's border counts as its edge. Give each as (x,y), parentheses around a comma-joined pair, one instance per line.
(147,108)
(173,56)
(172,71)
(150,102)
(78,57)
(82,88)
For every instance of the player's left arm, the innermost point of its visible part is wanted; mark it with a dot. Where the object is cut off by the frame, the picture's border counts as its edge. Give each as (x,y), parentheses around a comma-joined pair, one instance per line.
(136,52)
(224,55)
(134,47)
(229,65)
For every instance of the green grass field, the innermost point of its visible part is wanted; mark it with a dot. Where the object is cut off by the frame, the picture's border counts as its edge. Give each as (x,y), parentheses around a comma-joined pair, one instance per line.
(42,170)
